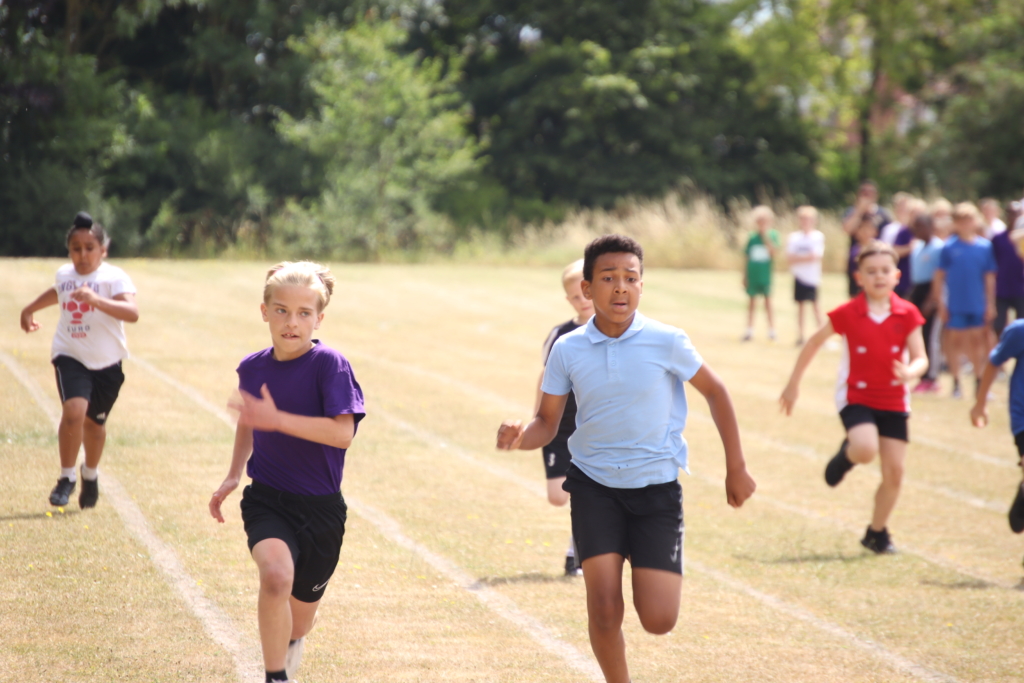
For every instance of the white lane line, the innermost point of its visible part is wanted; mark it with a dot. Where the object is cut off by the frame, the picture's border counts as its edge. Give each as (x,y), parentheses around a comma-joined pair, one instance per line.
(1006,463)
(495,601)
(216,624)
(894,660)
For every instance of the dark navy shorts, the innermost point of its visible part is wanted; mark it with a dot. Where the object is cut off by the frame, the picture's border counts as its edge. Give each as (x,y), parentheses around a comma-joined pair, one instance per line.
(99,387)
(312,526)
(891,424)
(644,525)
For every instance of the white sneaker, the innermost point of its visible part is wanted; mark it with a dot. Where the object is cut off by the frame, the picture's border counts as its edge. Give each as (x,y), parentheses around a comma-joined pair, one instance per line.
(293,658)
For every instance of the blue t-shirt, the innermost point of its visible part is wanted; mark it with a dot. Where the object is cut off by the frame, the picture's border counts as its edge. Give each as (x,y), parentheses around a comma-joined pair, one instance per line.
(1011,345)
(631,404)
(924,260)
(966,264)
(319,383)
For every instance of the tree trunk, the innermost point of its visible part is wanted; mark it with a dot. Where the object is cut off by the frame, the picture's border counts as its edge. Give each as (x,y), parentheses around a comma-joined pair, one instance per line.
(73,24)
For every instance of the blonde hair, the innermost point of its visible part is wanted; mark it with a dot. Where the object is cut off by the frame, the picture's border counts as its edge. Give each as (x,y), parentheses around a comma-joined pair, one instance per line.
(301,274)
(901,197)
(572,271)
(807,210)
(940,204)
(876,248)
(918,207)
(966,210)
(762,212)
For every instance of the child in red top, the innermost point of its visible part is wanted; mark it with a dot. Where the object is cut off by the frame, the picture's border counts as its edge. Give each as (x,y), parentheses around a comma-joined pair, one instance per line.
(879,330)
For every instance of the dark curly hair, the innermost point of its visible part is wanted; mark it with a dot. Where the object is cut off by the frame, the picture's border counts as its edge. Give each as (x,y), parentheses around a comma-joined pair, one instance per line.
(610,244)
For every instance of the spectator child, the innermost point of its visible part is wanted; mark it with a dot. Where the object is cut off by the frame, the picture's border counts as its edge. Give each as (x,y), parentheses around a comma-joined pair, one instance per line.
(804,250)
(903,243)
(757,276)
(991,218)
(865,234)
(1009,280)
(923,262)
(967,275)
(901,209)
(95,299)
(880,330)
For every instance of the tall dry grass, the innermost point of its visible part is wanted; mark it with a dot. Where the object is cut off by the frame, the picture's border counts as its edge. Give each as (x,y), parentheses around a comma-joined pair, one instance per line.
(676,231)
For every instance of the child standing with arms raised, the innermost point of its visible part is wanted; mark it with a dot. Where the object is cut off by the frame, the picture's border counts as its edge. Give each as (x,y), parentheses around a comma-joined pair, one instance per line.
(299,408)
(95,299)
(627,374)
(556,454)
(757,276)
(879,330)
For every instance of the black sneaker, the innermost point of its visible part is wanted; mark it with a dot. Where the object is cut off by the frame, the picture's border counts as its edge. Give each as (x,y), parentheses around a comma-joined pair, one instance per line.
(571,568)
(878,542)
(90,493)
(1017,511)
(838,466)
(61,492)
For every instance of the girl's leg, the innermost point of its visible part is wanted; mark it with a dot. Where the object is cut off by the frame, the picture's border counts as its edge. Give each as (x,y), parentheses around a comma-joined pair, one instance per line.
(70,431)
(656,595)
(602,575)
(953,349)
(750,313)
(94,436)
(303,616)
(768,312)
(556,496)
(863,445)
(277,571)
(800,320)
(893,453)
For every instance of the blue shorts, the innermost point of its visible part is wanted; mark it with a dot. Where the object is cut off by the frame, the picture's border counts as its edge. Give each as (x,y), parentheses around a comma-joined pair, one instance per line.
(965,321)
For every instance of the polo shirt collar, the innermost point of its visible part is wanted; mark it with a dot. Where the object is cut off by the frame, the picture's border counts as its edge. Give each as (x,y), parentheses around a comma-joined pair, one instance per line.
(596,336)
(897,306)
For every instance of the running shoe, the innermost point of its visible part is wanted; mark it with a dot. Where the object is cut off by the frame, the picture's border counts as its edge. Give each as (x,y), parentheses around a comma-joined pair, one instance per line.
(90,493)
(747,336)
(571,569)
(838,466)
(61,492)
(1017,511)
(878,542)
(293,658)
(925,386)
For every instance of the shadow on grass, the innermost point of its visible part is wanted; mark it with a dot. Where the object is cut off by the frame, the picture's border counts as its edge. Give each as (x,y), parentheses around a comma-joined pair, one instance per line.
(53,514)
(812,558)
(968,585)
(529,577)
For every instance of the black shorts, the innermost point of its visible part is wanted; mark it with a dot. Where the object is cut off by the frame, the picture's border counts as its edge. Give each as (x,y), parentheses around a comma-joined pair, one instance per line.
(891,424)
(1003,306)
(802,292)
(312,526)
(1018,439)
(99,387)
(644,525)
(556,458)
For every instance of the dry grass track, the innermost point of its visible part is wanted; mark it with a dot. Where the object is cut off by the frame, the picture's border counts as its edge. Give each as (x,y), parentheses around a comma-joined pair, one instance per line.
(779,591)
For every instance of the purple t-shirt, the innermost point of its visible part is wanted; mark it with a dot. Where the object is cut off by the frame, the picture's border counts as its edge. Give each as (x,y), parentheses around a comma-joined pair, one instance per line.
(904,237)
(319,383)
(1009,267)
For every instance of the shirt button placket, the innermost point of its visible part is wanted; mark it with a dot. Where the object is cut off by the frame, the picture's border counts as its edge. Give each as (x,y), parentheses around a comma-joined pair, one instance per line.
(613,361)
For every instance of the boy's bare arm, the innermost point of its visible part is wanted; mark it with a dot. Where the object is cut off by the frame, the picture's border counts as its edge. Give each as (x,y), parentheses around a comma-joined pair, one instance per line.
(918,365)
(541,430)
(938,283)
(792,391)
(239,456)
(739,485)
(540,394)
(979,412)
(990,296)
(263,414)
(44,300)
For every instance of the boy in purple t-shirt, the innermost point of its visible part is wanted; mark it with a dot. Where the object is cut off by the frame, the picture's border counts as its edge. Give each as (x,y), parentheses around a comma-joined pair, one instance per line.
(299,408)
(1009,280)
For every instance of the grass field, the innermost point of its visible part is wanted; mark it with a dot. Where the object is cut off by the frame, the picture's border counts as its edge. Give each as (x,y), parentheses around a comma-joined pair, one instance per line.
(451,569)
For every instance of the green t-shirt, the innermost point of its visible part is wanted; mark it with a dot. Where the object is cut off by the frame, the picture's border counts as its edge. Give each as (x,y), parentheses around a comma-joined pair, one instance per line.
(759,259)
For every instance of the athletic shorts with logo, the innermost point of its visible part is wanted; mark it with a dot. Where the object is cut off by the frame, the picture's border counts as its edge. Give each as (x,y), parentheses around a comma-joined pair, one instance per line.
(99,387)
(556,458)
(644,525)
(312,526)
(890,423)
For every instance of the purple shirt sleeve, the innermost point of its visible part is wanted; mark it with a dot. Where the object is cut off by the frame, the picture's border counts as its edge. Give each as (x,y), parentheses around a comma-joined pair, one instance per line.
(342,393)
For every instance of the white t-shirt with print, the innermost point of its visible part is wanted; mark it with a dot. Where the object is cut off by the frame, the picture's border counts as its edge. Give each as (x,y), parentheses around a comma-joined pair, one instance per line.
(802,243)
(93,338)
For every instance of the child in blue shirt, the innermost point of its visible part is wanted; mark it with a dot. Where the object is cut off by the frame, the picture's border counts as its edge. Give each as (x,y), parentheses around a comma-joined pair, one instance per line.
(1011,345)
(967,266)
(924,260)
(627,373)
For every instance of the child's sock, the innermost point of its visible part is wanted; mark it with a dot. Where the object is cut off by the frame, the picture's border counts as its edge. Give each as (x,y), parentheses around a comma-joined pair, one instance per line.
(771,333)
(571,552)
(69,474)
(90,473)
(276,676)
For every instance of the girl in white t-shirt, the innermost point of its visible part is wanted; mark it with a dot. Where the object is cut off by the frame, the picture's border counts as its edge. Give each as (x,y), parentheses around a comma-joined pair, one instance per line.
(804,250)
(95,299)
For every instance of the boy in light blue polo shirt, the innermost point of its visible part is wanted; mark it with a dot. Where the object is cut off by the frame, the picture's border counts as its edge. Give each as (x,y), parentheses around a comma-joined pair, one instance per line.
(627,373)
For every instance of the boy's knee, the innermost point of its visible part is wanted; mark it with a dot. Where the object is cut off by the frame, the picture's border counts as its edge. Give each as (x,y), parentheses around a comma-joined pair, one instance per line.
(276,580)
(605,614)
(658,624)
(861,453)
(73,412)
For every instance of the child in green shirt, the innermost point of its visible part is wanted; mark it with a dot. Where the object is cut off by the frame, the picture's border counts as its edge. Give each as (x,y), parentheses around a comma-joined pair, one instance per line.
(757,276)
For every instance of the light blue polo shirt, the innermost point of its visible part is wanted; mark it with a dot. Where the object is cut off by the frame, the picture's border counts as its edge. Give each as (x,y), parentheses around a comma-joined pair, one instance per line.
(630,397)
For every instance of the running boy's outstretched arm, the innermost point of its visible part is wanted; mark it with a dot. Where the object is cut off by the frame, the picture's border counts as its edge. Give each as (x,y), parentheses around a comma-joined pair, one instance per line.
(811,348)
(239,456)
(263,414)
(47,298)
(739,485)
(541,430)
